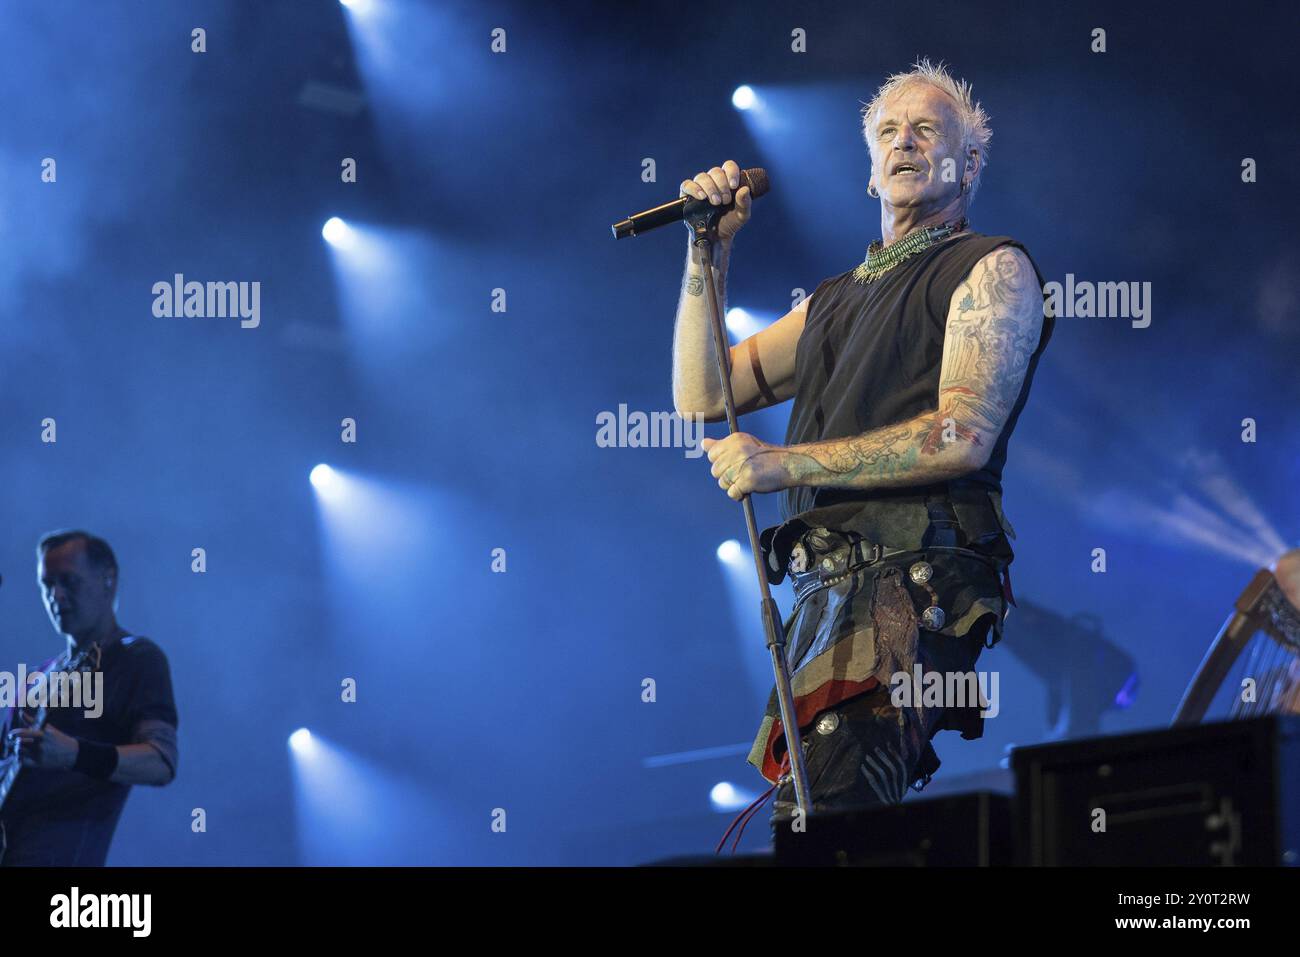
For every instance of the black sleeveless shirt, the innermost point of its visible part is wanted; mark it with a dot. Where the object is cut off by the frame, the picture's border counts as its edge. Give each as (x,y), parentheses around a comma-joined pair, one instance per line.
(869,356)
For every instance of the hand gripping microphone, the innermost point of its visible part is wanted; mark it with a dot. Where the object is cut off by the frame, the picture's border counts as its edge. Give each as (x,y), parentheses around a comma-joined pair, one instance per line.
(680,208)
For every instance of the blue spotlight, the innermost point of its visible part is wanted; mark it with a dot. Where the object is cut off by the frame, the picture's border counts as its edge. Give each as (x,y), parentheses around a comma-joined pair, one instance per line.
(357,6)
(744,98)
(337,232)
(725,796)
(300,740)
(730,552)
(324,478)
(742,323)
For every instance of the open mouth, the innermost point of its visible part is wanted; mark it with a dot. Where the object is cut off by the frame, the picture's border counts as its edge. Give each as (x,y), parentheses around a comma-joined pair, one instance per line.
(906,169)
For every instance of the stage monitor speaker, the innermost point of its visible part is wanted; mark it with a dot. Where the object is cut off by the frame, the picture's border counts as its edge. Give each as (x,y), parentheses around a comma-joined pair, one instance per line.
(959,830)
(1226,793)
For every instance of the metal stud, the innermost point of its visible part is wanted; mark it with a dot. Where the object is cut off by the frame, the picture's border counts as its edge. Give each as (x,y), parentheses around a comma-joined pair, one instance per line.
(828,723)
(921,572)
(932,618)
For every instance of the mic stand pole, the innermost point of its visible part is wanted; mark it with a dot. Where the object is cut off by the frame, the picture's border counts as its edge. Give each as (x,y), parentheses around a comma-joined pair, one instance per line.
(704,228)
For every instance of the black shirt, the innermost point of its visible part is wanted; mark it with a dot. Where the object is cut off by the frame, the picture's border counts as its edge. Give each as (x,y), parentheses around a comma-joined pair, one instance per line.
(137,688)
(870,355)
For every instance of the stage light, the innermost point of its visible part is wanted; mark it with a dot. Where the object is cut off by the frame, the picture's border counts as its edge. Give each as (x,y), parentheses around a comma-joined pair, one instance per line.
(336,232)
(742,323)
(725,796)
(356,6)
(324,478)
(730,551)
(744,98)
(300,740)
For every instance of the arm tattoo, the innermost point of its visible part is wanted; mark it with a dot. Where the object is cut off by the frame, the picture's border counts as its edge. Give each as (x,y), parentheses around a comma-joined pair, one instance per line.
(901,454)
(756,368)
(990,338)
(993,328)
(695,285)
(885,454)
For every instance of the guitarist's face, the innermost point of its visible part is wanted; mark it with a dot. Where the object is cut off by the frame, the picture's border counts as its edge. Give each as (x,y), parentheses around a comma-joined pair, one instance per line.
(77,595)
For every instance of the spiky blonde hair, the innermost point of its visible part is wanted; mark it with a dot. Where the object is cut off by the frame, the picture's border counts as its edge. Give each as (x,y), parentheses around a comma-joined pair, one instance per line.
(974,121)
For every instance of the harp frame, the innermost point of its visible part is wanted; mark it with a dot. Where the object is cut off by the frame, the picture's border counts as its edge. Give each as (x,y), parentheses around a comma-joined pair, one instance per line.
(1262,606)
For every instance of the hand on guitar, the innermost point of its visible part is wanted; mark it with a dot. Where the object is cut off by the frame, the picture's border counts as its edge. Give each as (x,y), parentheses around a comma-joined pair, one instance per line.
(46,747)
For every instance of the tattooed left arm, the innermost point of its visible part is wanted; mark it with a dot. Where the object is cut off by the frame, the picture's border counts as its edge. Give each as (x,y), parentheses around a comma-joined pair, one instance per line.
(995,319)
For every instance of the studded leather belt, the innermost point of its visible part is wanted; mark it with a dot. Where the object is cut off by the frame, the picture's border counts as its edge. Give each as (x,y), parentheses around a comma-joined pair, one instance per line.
(811,569)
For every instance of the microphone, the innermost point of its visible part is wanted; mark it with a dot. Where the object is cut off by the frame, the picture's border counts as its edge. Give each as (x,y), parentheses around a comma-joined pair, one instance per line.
(680,208)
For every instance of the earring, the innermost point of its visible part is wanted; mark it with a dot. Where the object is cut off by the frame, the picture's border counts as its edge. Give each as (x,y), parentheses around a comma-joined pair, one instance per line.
(872,191)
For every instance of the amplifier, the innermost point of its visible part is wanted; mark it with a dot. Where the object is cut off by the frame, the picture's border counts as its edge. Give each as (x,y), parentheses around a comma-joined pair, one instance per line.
(1226,793)
(961,830)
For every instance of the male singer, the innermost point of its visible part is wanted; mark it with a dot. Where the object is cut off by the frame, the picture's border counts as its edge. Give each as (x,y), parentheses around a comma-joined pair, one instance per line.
(908,372)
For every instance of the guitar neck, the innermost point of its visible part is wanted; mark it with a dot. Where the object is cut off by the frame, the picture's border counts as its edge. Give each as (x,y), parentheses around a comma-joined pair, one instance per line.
(11,765)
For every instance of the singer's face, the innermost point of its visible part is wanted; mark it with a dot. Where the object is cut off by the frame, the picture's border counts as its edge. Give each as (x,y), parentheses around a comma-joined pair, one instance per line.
(915,130)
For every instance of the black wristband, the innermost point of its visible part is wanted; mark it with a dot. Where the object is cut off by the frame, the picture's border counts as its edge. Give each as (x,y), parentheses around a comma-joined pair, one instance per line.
(95,760)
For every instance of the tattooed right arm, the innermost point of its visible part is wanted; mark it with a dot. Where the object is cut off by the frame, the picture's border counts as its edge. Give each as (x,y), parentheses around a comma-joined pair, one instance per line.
(695,377)
(696,388)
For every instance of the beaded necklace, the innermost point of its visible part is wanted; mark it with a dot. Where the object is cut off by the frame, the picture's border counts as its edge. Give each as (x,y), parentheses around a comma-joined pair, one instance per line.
(880,259)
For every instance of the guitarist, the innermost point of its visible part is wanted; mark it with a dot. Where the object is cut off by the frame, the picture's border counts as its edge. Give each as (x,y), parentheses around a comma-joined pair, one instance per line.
(76,770)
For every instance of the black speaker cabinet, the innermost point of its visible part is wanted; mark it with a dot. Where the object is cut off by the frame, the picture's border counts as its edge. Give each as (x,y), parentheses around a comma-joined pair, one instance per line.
(962,830)
(1226,793)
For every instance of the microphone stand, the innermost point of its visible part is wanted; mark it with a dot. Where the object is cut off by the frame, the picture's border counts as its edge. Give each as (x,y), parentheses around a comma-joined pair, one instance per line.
(703,222)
